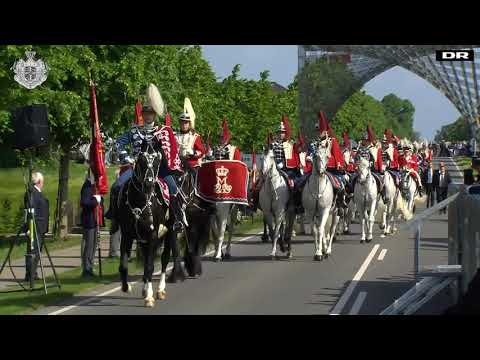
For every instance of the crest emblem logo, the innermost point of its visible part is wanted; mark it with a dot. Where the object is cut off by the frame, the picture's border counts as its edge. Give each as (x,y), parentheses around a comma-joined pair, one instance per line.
(222,187)
(30,73)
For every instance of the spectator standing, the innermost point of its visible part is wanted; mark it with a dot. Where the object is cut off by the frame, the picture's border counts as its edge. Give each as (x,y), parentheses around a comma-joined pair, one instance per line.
(41,211)
(427,180)
(89,202)
(440,183)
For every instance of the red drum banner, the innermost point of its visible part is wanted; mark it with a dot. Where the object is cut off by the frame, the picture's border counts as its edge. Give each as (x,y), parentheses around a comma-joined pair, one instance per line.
(223,181)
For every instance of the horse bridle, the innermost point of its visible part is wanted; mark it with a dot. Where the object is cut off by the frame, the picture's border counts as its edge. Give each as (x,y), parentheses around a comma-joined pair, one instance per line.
(150,158)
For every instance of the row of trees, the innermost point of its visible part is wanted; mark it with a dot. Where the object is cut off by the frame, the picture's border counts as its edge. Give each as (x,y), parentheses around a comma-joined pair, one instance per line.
(328,85)
(457,131)
(122,74)
(362,109)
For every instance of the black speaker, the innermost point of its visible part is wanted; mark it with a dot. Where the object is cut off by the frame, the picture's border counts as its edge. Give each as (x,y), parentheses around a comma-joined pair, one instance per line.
(30,124)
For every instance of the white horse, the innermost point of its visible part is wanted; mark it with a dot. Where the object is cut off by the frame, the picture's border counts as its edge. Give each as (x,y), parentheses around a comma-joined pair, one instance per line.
(391,195)
(409,190)
(365,197)
(222,219)
(274,202)
(318,202)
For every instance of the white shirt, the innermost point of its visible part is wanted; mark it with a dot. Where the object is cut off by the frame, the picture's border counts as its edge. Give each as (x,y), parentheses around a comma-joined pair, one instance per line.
(430,176)
(36,187)
(442,179)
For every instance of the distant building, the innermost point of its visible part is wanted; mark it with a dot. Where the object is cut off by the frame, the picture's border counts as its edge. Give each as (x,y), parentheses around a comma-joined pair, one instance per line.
(277,87)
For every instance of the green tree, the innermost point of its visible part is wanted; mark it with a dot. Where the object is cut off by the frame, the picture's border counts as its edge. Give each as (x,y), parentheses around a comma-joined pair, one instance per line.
(324,85)
(400,114)
(457,131)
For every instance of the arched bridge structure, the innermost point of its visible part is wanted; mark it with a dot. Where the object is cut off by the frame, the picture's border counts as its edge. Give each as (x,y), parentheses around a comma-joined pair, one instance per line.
(459,81)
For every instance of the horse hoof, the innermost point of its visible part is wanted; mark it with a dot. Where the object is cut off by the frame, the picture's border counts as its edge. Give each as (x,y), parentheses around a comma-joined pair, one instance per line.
(161,294)
(369,240)
(217,260)
(346,232)
(289,255)
(362,241)
(227,256)
(127,288)
(149,302)
(325,256)
(317,258)
(382,227)
(383,235)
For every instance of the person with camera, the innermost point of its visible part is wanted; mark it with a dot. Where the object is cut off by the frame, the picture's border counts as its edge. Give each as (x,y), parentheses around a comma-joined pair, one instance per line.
(39,204)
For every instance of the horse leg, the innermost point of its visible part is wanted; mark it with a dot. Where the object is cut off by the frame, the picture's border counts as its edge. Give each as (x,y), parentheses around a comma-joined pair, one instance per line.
(178,273)
(335,221)
(288,233)
(265,235)
(230,235)
(363,216)
(324,213)
(219,226)
(276,231)
(148,298)
(125,247)
(371,220)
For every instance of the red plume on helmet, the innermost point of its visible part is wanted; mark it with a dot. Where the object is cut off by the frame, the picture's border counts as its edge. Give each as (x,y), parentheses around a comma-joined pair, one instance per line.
(346,139)
(168,120)
(138,113)
(288,130)
(322,125)
(226,132)
(370,134)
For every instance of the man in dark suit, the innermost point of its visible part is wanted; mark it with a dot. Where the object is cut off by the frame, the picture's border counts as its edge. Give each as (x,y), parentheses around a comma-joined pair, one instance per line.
(89,202)
(41,212)
(441,180)
(427,179)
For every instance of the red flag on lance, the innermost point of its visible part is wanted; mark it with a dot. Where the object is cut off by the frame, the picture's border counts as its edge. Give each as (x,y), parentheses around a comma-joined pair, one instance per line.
(97,162)
(138,113)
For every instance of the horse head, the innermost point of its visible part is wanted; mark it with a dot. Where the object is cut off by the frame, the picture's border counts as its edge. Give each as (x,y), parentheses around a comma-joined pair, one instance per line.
(321,158)
(363,170)
(268,161)
(147,165)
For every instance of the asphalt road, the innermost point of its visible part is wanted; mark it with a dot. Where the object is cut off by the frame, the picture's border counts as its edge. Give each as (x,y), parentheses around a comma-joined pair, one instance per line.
(356,279)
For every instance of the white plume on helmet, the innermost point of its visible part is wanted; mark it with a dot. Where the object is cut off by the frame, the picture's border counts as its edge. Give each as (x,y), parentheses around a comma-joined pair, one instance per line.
(155,100)
(188,113)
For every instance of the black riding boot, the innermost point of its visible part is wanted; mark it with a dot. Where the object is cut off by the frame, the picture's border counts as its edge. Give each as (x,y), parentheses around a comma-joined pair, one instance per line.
(178,213)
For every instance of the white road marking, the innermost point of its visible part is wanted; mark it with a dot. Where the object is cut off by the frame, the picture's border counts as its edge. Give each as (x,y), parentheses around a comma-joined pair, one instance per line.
(337,310)
(108,292)
(382,254)
(357,305)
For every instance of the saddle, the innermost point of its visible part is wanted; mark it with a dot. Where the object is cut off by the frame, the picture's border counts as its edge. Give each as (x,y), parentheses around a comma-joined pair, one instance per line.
(337,186)
(396,178)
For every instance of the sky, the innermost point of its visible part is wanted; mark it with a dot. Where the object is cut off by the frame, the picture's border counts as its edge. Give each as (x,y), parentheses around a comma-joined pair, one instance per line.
(432,108)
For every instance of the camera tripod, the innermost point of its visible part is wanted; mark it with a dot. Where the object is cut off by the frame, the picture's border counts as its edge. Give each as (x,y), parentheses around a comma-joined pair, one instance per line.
(33,243)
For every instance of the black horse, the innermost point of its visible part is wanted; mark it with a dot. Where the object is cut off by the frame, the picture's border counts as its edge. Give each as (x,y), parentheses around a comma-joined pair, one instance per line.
(142,215)
(198,213)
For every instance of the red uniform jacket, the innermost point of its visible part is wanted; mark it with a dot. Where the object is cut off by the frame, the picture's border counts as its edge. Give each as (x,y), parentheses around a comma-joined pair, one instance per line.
(336,159)
(410,163)
(191,141)
(378,166)
(394,164)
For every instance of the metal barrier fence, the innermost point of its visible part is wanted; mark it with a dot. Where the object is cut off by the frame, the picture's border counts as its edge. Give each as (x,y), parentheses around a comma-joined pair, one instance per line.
(464,237)
(436,278)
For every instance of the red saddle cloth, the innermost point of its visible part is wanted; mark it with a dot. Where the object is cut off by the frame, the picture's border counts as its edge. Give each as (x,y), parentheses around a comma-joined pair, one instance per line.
(223,181)
(333,179)
(164,190)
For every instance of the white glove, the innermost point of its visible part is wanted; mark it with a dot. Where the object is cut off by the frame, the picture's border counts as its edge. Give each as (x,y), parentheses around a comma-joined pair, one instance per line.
(99,199)
(280,165)
(301,172)
(190,152)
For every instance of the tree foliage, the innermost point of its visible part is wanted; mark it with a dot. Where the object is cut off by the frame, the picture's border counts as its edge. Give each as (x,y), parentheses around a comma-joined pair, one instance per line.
(361,110)
(457,131)
(325,85)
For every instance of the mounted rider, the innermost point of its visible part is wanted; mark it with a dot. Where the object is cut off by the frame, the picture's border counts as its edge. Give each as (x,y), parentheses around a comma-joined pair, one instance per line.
(170,164)
(336,163)
(390,155)
(191,149)
(371,150)
(409,162)
(224,150)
